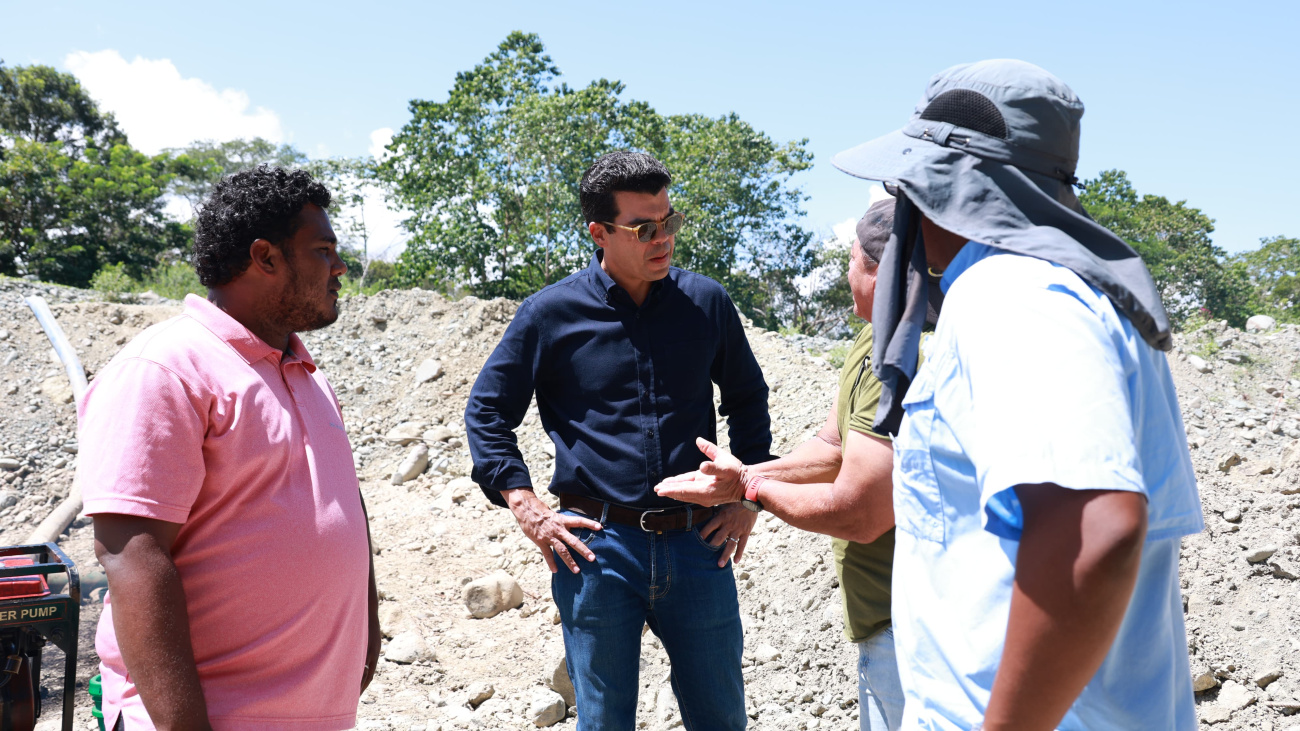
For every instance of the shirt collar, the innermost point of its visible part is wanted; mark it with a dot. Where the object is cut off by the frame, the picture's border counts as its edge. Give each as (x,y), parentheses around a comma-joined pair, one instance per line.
(971,253)
(250,347)
(607,287)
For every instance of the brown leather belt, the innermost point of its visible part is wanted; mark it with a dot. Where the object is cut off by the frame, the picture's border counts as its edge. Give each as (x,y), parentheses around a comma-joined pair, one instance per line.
(647,520)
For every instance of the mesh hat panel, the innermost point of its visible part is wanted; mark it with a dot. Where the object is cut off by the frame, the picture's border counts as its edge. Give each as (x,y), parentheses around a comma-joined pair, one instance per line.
(969,109)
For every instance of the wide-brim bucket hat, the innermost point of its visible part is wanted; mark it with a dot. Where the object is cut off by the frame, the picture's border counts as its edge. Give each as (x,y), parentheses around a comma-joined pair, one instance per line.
(990,154)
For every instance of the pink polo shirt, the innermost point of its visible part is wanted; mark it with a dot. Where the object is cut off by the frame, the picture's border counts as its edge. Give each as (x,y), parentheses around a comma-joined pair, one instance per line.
(199,422)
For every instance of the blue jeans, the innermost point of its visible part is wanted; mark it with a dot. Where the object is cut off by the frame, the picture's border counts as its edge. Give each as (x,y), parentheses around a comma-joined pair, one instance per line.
(670,581)
(880,692)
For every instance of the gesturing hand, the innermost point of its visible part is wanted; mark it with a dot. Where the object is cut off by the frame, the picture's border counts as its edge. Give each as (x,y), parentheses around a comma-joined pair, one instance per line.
(719,480)
(549,529)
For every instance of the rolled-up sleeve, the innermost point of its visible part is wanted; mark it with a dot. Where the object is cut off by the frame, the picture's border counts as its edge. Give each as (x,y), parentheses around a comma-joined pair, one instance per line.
(743,390)
(497,405)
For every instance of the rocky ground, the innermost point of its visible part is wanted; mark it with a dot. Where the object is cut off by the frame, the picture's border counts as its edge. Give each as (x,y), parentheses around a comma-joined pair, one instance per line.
(403,362)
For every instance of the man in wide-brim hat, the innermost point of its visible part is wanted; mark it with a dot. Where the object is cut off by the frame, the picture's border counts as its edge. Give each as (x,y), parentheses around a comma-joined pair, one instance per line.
(1042,480)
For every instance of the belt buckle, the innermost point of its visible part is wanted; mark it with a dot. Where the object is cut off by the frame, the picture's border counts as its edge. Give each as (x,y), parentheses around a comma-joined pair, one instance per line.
(644,513)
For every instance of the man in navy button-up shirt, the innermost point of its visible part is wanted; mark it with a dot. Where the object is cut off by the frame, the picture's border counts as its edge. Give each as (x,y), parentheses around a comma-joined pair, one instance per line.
(623,357)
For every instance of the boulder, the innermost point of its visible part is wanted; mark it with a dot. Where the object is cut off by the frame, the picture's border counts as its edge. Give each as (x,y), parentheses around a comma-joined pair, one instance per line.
(1260,323)
(404,433)
(429,370)
(492,595)
(546,708)
(438,434)
(1199,364)
(1228,460)
(558,681)
(57,389)
(406,648)
(479,692)
(1204,682)
(1260,554)
(415,463)
(1234,696)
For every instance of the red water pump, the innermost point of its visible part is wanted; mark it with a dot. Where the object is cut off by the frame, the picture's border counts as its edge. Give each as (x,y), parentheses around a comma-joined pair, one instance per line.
(31,615)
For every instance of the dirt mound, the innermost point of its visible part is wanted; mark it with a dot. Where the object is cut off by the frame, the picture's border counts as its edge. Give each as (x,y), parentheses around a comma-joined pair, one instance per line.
(403,362)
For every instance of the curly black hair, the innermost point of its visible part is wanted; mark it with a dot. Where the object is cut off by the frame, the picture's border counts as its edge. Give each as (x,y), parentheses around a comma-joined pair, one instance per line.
(261,203)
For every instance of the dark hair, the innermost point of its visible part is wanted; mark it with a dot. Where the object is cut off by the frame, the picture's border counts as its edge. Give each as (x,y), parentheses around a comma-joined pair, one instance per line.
(262,203)
(634,172)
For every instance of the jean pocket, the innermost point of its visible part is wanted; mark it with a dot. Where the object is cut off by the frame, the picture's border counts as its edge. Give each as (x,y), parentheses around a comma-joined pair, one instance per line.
(696,532)
(582,534)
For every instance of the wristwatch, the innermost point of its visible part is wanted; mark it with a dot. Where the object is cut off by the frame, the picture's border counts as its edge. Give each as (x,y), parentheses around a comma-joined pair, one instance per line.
(750,501)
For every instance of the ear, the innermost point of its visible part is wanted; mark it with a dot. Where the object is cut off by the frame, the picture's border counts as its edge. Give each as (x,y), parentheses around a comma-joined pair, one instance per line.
(598,233)
(266,257)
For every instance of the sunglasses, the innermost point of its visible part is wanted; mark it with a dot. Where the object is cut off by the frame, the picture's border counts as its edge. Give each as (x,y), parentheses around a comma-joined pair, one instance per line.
(646,231)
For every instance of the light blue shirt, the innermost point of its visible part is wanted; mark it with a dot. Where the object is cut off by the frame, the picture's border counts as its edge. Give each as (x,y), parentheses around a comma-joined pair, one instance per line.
(1033,377)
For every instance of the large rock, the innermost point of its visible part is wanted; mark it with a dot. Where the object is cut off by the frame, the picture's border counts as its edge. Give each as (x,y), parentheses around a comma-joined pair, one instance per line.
(558,681)
(406,648)
(57,389)
(438,434)
(1199,363)
(1260,323)
(477,693)
(429,370)
(492,595)
(1234,696)
(404,433)
(1260,554)
(1204,681)
(1228,460)
(415,463)
(546,708)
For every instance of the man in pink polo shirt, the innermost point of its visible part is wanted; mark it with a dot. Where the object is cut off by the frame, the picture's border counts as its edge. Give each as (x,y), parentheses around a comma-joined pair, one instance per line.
(228,515)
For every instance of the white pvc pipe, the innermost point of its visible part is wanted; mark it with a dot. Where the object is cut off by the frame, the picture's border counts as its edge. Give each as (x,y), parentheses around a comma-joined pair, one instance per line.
(62,346)
(62,516)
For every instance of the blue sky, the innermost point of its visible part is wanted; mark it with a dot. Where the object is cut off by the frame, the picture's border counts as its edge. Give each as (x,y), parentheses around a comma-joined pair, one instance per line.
(1197,101)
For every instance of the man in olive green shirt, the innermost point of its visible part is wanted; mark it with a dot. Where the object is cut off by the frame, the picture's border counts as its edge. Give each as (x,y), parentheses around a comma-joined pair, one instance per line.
(838,483)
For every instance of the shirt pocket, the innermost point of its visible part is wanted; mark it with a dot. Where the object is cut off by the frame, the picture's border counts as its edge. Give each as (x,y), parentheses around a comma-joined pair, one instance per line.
(918,502)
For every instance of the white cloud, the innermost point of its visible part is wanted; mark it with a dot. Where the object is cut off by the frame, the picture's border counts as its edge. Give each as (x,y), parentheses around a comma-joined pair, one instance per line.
(387,239)
(845,231)
(379,139)
(159,108)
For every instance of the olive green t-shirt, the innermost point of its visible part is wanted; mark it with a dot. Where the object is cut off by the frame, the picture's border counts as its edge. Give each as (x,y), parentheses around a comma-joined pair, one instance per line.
(864,569)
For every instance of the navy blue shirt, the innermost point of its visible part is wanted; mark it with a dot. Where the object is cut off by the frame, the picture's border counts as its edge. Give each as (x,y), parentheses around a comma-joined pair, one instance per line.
(623,391)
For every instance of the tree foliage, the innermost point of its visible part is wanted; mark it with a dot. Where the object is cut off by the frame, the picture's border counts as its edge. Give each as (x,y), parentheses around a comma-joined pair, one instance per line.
(492,177)
(1274,272)
(74,195)
(1193,275)
(198,167)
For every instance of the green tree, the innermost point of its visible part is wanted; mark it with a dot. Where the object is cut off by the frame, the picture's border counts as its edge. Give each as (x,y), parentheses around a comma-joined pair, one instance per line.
(733,183)
(347,179)
(198,167)
(1274,270)
(492,175)
(1193,274)
(74,195)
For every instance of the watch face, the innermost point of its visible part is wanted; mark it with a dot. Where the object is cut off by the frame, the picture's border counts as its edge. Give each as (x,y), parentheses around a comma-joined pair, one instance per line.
(751,506)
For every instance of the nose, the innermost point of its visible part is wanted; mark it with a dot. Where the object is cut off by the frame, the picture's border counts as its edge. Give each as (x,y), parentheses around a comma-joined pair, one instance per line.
(337,266)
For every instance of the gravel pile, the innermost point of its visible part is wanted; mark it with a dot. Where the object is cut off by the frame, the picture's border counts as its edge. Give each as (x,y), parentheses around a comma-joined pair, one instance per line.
(473,637)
